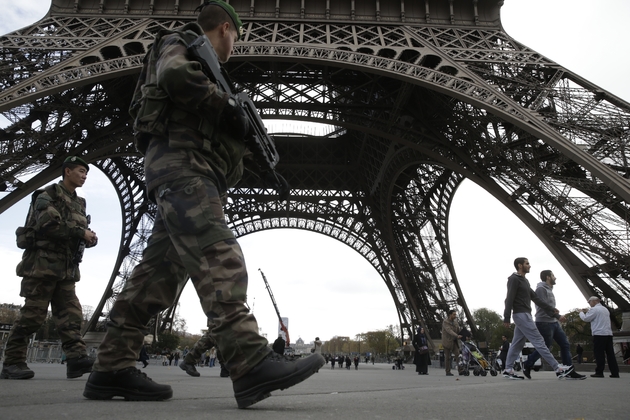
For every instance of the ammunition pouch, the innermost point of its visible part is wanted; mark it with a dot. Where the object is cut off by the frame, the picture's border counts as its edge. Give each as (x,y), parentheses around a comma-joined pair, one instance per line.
(150,115)
(25,237)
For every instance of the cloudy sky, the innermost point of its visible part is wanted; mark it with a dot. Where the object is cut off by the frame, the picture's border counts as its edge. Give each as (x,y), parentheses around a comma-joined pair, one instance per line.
(322,286)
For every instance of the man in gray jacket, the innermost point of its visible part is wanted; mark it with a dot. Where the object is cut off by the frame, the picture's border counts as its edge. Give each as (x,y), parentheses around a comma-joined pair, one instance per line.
(549,327)
(519,302)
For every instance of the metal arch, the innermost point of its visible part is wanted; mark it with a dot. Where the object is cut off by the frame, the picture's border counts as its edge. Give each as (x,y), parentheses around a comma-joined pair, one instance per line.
(138,213)
(465,86)
(355,230)
(417,193)
(581,274)
(537,178)
(347,219)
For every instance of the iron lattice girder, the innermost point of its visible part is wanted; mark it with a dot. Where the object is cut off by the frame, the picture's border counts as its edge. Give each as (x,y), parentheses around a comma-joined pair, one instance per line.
(541,139)
(452,41)
(127,176)
(419,195)
(434,68)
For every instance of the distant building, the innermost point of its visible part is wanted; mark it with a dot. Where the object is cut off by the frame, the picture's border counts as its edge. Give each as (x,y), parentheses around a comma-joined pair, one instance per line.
(303,348)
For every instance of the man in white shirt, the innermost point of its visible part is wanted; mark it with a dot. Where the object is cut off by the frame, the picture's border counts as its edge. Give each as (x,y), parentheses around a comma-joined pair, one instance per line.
(599,317)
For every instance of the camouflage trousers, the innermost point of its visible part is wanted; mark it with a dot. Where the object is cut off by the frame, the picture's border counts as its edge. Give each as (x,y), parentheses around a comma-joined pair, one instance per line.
(202,345)
(189,237)
(66,313)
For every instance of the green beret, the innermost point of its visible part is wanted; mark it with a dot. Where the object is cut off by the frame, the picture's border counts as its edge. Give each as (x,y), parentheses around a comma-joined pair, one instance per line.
(75,160)
(230,11)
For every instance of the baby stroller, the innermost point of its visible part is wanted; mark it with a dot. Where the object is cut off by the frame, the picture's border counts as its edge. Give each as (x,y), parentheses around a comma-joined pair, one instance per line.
(471,358)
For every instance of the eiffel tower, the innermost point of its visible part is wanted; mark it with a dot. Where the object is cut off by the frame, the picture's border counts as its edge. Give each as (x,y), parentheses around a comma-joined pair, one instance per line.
(419,96)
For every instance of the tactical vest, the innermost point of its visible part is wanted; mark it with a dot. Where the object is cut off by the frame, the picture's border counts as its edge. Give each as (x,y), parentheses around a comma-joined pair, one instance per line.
(151,108)
(45,255)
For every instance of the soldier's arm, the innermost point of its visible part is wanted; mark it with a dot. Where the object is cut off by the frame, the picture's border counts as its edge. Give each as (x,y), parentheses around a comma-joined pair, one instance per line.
(49,223)
(184,81)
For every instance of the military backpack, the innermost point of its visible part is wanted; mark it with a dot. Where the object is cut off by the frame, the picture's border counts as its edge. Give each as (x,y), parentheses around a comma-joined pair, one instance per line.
(26,235)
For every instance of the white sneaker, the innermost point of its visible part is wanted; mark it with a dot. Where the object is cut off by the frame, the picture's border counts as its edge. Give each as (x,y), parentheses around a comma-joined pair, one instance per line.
(511,375)
(563,370)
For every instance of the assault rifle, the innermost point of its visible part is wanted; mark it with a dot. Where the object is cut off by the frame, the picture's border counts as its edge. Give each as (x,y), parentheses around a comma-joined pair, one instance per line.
(258,141)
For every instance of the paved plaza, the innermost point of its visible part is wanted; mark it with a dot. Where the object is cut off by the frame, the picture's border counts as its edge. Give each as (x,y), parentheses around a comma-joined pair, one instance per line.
(372,392)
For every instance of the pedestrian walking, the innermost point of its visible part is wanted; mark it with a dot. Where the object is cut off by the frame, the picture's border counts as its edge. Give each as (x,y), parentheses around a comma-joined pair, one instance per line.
(550,328)
(518,304)
(579,351)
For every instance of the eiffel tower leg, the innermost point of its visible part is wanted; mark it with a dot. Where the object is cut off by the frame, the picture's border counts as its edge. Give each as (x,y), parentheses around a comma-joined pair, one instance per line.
(138,217)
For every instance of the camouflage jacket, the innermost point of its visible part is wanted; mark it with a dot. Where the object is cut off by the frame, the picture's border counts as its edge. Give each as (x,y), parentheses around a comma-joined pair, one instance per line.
(60,224)
(176,110)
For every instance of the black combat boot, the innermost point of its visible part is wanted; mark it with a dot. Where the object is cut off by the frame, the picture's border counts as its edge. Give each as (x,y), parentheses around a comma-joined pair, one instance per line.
(129,383)
(77,366)
(274,372)
(188,365)
(16,371)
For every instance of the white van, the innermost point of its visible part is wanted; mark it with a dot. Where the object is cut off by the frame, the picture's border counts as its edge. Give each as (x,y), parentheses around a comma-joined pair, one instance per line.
(528,349)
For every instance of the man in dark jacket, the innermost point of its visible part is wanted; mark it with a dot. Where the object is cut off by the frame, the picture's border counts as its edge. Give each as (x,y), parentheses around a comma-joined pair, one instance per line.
(49,270)
(519,303)
(278,345)
(192,136)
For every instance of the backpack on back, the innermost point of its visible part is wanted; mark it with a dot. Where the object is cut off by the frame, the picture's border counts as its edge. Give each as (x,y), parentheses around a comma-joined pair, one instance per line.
(26,235)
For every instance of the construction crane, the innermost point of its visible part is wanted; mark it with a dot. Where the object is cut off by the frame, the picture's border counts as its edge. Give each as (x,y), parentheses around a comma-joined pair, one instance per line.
(282,326)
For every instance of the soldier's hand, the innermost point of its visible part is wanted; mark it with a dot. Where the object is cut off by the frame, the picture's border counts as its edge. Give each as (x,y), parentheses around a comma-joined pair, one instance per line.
(235,121)
(90,237)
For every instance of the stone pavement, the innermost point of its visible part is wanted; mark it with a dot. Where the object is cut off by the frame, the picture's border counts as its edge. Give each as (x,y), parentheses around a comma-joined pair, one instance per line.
(372,392)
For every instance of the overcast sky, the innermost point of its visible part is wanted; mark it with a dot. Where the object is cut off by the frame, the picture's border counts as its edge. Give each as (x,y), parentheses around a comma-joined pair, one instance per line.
(321,285)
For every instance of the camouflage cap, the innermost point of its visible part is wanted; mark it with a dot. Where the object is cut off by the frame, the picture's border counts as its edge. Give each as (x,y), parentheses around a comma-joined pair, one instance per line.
(75,160)
(229,10)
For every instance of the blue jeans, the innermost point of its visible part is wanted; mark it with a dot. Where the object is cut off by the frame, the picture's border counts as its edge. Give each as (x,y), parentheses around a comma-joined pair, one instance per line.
(525,329)
(552,331)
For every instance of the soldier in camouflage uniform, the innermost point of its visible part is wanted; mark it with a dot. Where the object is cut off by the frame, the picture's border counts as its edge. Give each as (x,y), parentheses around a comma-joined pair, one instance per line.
(56,229)
(192,137)
(194,356)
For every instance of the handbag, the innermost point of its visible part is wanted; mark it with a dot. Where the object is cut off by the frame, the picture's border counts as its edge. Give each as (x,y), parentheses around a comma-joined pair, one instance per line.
(423,350)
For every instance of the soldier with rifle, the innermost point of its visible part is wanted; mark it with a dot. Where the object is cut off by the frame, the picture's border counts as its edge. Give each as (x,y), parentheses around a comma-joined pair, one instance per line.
(196,138)
(54,237)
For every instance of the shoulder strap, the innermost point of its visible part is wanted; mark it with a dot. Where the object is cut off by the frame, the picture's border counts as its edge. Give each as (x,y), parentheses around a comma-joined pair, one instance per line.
(31,208)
